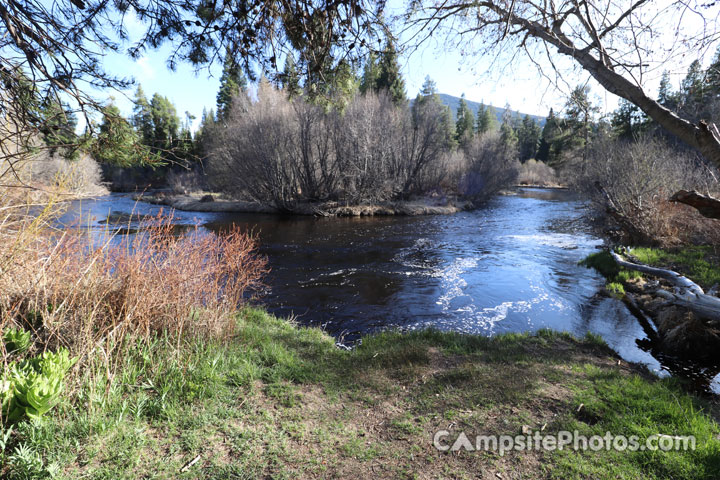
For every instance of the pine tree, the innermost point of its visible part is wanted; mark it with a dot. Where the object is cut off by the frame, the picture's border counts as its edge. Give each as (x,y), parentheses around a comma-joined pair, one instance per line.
(666,96)
(142,117)
(118,143)
(548,150)
(389,77)
(692,87)
(341,87)
(371,73)
(579,112)
(508,136)
(429,101)
(429,88)
(464,122)
(486,119)
(628,121)
(232,83)
(165,122)
(58,128)
(528,138)
(290,79)
(205,131)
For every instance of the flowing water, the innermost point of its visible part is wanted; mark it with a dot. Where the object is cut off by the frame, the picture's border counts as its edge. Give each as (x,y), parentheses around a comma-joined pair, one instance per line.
(509,267)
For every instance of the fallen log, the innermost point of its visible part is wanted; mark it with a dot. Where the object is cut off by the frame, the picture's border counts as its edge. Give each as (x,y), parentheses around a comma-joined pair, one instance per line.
(706,205)
(687,294)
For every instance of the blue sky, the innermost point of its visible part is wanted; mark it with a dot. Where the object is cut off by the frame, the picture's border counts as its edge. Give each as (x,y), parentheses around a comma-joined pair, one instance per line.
(478,78)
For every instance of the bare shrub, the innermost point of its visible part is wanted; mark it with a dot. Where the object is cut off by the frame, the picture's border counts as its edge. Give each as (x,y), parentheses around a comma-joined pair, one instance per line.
(253,154)
(534,172)
(490,167)
(92,297)
(367,143)
(282,152)
(638,178)
(80,176)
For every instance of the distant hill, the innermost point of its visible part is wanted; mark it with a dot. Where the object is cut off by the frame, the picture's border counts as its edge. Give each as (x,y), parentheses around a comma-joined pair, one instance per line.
(453,103)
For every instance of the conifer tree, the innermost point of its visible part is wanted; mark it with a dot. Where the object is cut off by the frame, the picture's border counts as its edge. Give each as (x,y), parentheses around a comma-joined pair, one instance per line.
(389,77)
(464,122)
(371,73)
(165,122)
(528,138)
(232,83)
(548,148)
(486,119)
(290,79)
(142,117)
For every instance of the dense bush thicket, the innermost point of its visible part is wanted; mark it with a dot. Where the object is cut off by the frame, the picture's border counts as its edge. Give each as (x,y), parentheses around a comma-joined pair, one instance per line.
(535,172)
(282,152)
(634,179)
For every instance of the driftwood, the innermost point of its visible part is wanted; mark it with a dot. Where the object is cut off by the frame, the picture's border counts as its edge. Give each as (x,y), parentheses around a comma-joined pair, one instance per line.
(707,206)
(686,293)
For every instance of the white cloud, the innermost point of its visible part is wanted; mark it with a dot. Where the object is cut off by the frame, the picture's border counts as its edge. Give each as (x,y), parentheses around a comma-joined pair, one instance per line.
(146,71)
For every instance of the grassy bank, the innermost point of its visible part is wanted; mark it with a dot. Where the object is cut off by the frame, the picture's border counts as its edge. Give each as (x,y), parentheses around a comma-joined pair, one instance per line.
(700,264)
(279,401)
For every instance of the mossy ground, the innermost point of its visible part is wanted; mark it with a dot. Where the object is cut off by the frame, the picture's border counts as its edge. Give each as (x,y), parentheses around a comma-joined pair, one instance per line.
(280,401)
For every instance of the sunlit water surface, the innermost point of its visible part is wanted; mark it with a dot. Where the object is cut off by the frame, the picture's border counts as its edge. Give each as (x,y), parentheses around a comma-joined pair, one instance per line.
(509,267)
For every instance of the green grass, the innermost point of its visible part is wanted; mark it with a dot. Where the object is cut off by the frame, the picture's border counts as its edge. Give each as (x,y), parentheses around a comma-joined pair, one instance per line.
(699,263)
(280,401)
(616,276)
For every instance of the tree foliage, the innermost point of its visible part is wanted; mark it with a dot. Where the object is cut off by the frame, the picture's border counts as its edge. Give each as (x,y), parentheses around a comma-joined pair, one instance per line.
(464,122)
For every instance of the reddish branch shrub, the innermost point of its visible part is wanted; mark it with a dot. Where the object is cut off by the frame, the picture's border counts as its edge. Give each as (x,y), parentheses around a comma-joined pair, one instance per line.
(86,296)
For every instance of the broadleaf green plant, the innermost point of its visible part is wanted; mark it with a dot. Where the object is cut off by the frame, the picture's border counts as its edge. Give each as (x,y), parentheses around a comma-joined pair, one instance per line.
(16,340)
(35,384)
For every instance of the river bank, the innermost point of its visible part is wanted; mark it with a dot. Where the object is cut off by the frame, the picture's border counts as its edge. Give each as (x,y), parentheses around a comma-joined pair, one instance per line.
(211,203)
(277,400)
(667,289)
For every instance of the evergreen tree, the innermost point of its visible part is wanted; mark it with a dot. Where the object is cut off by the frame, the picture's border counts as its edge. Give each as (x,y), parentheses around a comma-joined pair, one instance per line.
(429,88)
(165,122)
(549,144)
(692,87)
(389,77)
(186,149)
(58,128)
(666,96)
(232,83)
(528,138)
(464,122)
(118,143)
(142,117)
(290,79)
(579,112)
(508,137)
(429,101)
(205,131)
(628,121)
(371,73)
(341,87)
(486,119)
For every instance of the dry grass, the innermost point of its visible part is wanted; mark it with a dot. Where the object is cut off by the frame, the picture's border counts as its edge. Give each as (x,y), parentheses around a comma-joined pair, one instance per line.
(89,298)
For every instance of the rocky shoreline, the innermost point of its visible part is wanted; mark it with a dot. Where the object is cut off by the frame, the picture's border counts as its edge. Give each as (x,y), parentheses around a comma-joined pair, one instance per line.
(209,203)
